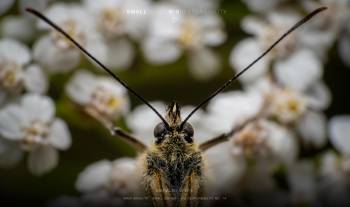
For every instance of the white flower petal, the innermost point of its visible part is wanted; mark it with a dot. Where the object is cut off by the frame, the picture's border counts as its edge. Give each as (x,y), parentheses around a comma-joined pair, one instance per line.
(11,122)
(18,27)
(312,127)
(299,71)
(243,54)
(318,96)
(54,59)
(212,30)
(59,136)
(204,63)
(339,130)
(253,25)
(35,80)
(124,176)
(36,107)
(282,143)
(142,121)
(231,109)
(42,160)
(94,176)
(120,54)
(12,50)
(137,25)
(10,153)
(224,170)
(161,52)
(81,86)
(344,49)
(98,49)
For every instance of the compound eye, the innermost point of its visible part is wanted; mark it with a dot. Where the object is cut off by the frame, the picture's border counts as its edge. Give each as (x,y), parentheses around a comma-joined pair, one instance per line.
(188,130)
(160,130)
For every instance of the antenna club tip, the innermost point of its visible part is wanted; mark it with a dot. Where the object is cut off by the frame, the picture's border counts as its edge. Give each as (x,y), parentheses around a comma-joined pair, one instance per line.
(29,9)
(322,8)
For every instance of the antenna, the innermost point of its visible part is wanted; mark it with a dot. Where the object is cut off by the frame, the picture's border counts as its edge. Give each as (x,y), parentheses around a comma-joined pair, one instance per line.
(298,24)
(60,30)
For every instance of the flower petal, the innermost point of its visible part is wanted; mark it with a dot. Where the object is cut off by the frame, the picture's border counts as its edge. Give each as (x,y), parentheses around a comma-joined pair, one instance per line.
(81,86)
(318,96)
(13,50)
(94,176)
(120,54)
(243,54)
(344,48)
(35,80)
(204,64)
(299,71)
(54,59)
(18,27)
(11,122)
(142,120)
(161,51)
(42,160)
(282,142)
(37,107)
(59,136)
(339,130)
(312,127)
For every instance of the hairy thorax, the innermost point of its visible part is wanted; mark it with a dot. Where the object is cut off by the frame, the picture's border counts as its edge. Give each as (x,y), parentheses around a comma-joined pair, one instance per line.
(173,172)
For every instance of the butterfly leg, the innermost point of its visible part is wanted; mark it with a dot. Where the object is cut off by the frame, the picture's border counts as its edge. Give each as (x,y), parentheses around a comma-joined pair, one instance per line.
(134,142)
(224,137)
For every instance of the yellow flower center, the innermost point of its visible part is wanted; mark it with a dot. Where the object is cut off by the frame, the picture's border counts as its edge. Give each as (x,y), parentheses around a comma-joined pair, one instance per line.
(36,134)
(72,29)
(10,75)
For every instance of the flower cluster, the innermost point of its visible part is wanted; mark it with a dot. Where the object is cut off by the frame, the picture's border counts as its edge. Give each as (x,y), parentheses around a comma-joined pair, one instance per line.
(282,101)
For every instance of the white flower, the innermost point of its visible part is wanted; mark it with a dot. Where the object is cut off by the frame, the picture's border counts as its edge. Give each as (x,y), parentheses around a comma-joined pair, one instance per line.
(173,32)
(14,70)
(344,46)
(339,129)
(18,27)
(230,109)
(32,125)
(142,121)
(262,140)
(99,94)
(312,128)
(119,178)
(56,52)
(281,142)
(296,66)
(299,71)
(117,20)
(224,170)
(287,105)
(332,21)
